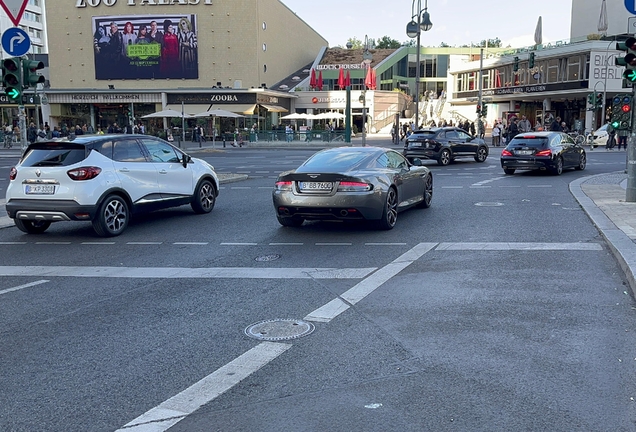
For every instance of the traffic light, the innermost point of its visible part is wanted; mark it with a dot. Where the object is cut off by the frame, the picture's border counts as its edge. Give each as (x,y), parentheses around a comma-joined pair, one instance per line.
(622,112)
(599,100)
(30,76)
(515,65)
(629,61)
(484,111)
(591,99)
(478,111)
(11,79)
(531,61)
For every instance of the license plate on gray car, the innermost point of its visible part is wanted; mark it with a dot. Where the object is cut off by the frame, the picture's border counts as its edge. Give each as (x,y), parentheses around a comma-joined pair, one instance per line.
(321,186)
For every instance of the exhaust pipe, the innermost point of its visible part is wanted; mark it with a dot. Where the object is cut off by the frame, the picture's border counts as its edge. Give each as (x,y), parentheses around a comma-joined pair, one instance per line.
(343,213)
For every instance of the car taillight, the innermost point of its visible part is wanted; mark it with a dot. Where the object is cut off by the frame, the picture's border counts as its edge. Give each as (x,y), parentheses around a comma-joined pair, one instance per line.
(544,153)
(351,186)
(13,173)
(84,173)
(506,152)
(283,185)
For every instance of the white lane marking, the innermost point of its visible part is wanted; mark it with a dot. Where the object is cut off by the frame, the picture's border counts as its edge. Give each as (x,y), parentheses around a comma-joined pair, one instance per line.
(239,244)
(478,187)
(52,243)
(188,273)
(539,186)
(485,182)
(509,186)
(286,244)
(143,243)
(365,287)
(261,172)
(240,187)
(333,244)
(452,187)
(8,290)
(385,244)
(191,243)
(168,413)
(13,243)
(520,246)
(98,243)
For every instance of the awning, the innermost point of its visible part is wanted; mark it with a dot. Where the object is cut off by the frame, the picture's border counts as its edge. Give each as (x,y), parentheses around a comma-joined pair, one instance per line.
(189,108)
(274,108)
(247,109)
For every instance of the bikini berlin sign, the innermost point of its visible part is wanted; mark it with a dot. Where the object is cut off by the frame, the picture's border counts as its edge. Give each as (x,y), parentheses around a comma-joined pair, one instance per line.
(15,9)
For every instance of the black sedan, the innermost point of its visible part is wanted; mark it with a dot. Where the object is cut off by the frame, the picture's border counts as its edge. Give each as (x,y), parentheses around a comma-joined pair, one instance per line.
(444,145)
(352,183)
(551,151)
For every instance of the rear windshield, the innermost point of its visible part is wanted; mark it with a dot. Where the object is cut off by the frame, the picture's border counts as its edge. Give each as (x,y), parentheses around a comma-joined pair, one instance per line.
(422,135)
(538,142)
(55,154)
(333,161)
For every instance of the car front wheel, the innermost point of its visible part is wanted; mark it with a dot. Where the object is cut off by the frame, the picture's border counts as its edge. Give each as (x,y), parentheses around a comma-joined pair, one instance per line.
(482,154)
(390,212)
(204,198)
(582,162)
(558,166)
(32,227)
(112,217)
(444,157)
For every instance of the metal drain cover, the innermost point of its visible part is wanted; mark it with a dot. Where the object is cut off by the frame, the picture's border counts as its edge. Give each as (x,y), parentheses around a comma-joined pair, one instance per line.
(279,329)
(264,258)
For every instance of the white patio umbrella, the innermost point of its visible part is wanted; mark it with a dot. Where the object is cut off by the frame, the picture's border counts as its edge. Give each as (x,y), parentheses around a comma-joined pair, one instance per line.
(216,113)
(297,116)
(602,20)
(538,32)
(330,116)
(165,113)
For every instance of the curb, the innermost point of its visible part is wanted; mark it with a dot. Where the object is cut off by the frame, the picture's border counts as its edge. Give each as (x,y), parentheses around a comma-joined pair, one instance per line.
(620,244)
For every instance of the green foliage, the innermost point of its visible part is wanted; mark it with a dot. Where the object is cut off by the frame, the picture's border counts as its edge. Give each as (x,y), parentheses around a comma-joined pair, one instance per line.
(355,42)
(444,45)
(387,42)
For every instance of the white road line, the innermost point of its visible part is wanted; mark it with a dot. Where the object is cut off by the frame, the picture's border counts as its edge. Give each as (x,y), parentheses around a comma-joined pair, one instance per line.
(365,287)
(8,290)
(52,243)
(333,244)
(539,186)
(191,243)
(168,413)
(509,186)
(239,244)
(13,243)
(519,246)
(187,273)
(144,243)
(452,187)
(286,244)
(240,187)
(385,244)
(98,243)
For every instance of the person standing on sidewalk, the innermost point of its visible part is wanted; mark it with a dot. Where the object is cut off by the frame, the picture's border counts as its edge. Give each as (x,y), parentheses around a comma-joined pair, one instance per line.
(524,125)
(496,134)
(622,138)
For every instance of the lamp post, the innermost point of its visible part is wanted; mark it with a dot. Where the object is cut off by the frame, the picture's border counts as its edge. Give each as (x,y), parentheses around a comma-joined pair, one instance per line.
(414,29)
(367,57)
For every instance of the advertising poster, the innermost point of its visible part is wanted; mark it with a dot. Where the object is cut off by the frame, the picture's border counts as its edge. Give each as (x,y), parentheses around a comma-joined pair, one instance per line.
(145,47)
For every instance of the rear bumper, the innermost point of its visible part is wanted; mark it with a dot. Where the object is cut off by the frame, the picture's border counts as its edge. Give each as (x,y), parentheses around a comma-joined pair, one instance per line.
(527,164)
(421,153)
(51,210)
(340,207)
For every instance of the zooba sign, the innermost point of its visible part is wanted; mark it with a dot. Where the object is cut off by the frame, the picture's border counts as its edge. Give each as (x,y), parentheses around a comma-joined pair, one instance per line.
(95,3)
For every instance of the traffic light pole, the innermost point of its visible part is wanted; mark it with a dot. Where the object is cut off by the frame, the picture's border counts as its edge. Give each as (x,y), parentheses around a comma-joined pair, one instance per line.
(22,118)
(630,195)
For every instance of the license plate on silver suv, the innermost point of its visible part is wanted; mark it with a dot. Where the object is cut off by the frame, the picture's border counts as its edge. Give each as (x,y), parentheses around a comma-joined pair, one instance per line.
(39,189)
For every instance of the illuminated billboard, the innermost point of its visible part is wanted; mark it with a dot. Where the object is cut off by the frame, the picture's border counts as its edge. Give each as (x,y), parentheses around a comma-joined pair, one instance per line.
(145,47)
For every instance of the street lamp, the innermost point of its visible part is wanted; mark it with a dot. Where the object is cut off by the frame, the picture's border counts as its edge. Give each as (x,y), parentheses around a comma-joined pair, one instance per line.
(414,29)
(367,58)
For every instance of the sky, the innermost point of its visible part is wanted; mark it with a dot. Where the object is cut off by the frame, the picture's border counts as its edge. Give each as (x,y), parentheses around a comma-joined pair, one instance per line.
(455,22)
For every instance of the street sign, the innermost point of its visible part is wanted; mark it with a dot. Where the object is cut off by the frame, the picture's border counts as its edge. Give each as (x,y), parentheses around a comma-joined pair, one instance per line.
(631,25)
(15,9)
(15,42)
(630,5)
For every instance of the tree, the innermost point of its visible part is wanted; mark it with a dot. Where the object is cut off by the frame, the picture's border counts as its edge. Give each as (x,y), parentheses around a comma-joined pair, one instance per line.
(492,43)
(387,42)
(355,42)
(444,45)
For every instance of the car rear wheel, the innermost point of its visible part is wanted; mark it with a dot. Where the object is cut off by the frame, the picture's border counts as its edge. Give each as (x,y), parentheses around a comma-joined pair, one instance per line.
(444,158)
(204,198)
(509,171)
(290,221)
(582,162)
(482,154)
(558,167)
(390,212)
(112,217)
(428,192)
(32,227)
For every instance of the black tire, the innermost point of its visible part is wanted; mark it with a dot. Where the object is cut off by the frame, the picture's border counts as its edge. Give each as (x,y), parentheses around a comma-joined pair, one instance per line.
(204,197)
(582,162)
(444,157)
(112,217)
(32,227)
(390,212)
(290,221)
(509,171)
(558,167)
(428,192)
(482,154)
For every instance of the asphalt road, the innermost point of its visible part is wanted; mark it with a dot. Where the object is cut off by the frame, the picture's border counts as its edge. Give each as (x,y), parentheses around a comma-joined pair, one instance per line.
(499,308)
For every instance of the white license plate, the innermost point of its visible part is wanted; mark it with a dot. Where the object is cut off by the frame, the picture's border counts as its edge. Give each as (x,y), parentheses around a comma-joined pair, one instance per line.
(416,144)
(523,152)
(39,189)
(316,186)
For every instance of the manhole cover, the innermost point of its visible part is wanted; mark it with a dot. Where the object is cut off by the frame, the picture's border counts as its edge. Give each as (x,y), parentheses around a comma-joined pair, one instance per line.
(488,204)
(263,258)
(279,329)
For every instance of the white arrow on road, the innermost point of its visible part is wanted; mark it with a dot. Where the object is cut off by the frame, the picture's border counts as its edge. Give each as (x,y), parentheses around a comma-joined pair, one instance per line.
(20,37)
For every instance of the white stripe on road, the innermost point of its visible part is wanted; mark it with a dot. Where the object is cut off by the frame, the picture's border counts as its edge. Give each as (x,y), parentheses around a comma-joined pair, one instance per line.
(98,243)
(8,290)
(144,243)
(239,244)
(365,287)
(333,244)
(286,244)
(187,273)
(191,243)
(519,246)
(175,409)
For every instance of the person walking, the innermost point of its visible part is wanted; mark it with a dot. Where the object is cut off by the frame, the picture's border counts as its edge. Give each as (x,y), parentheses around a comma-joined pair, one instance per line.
(496,134)
(513,129)
(622,138)
(556,125)
(524,125)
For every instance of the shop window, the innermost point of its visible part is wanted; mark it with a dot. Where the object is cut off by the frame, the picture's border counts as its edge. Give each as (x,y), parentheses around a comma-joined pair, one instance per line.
(553,71)
(574,66)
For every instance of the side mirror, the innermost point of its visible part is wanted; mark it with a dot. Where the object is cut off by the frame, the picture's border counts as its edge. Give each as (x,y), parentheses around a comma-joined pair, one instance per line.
(186,159)
(416,162)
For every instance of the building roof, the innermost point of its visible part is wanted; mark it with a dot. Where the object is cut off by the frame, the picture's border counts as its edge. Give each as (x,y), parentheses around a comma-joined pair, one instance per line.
(353,56)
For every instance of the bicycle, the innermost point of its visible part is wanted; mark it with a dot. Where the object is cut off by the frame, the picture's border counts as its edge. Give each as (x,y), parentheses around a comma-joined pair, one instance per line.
(8,141)
(578,138)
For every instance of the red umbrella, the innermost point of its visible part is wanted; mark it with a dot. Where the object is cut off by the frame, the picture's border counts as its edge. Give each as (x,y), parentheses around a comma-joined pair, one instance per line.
(374,80)
(319,82)
(341,79)
(368,79)
(497,79)
(348,79)
(312,79)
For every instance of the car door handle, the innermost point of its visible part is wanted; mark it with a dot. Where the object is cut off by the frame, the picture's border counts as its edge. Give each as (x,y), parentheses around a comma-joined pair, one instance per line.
(124,170)
(163,171)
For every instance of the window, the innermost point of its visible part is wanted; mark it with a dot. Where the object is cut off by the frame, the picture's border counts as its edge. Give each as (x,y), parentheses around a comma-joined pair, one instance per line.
(574,66)
(105,148)
(161,152)
(396,161)
(382,161)
(128,151)
(553,70)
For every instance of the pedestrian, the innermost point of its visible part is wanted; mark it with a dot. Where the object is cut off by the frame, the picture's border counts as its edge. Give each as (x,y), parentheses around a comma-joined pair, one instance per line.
(236,132)
(564,127)
(55,133)
(622,139)
(611,138)
(308,134)
(556,125)
(496,134)
(472,128)
(524,125)
(405,128)
(481,128)
(513,129)
(254,132)
(32,133)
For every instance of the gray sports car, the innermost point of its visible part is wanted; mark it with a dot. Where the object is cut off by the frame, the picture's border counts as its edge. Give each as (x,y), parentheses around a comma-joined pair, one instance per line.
(352,183)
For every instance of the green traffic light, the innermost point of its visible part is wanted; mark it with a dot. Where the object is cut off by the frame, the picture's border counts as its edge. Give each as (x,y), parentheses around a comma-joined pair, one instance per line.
(616,124)
(630,75)
(13,93)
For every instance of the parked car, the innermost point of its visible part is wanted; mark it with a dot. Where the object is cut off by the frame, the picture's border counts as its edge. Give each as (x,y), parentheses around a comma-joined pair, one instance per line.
(105,179)
(444,145)
(553,151)
(599,137)
(352,183)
